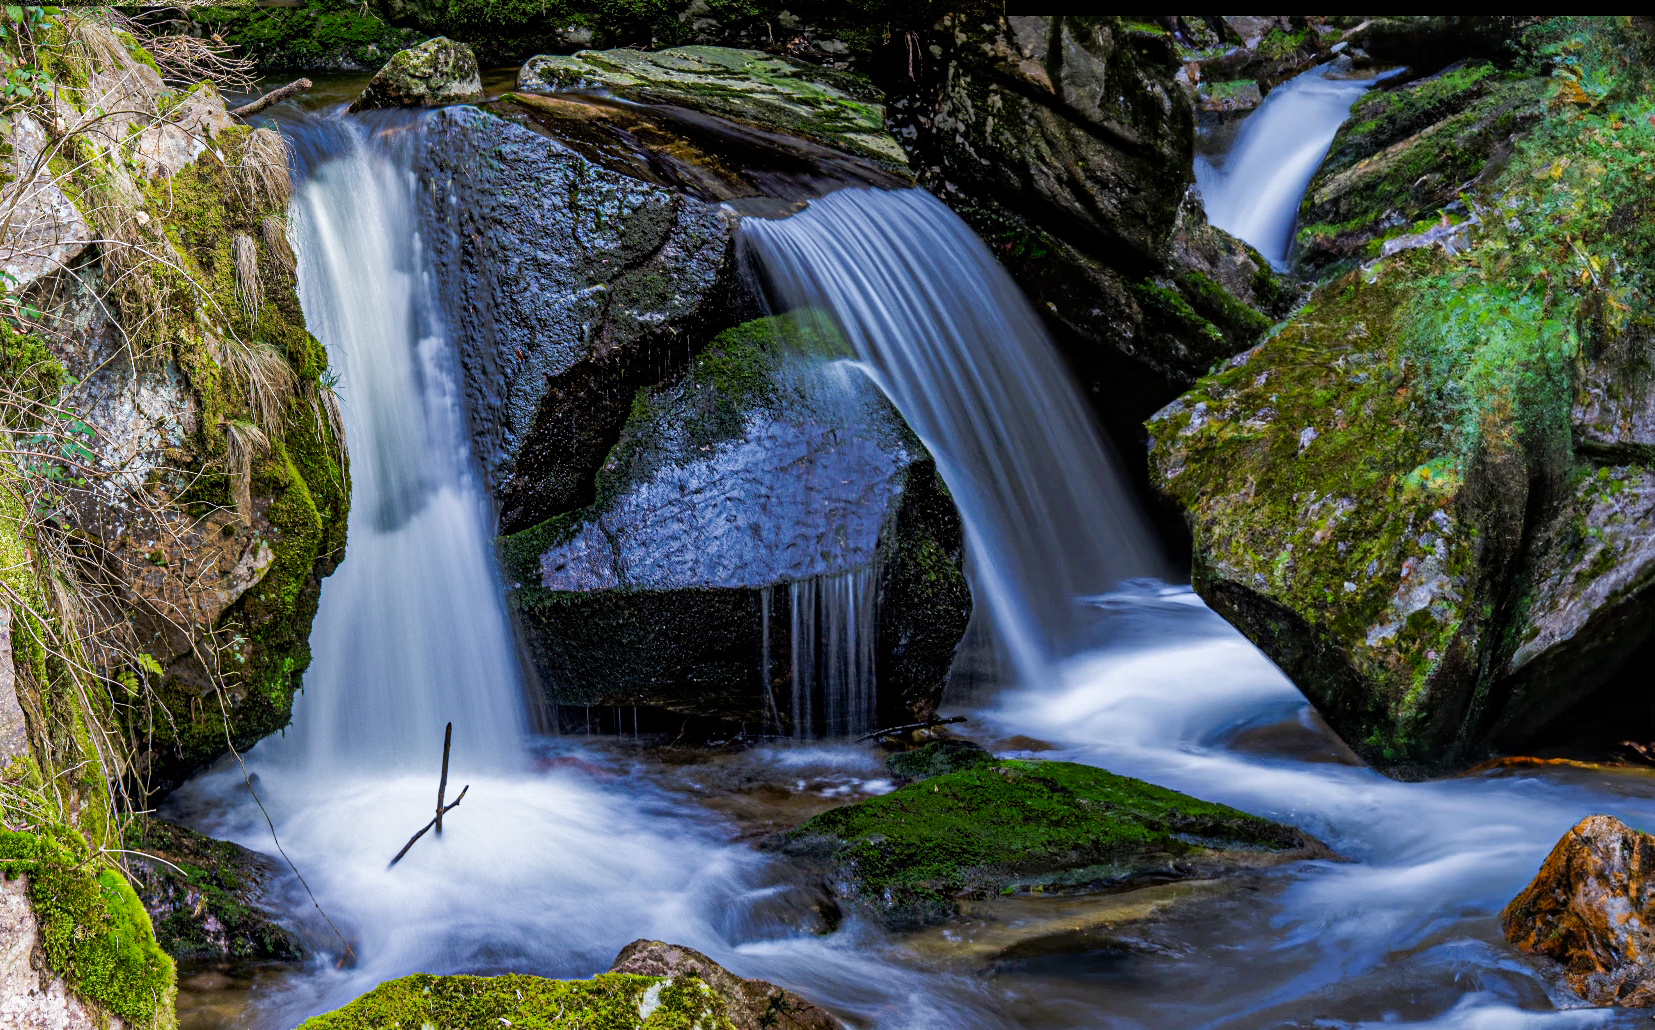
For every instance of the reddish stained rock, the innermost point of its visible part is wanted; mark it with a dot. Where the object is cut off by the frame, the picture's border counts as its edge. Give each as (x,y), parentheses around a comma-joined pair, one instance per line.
(750,1004)
(1590,908)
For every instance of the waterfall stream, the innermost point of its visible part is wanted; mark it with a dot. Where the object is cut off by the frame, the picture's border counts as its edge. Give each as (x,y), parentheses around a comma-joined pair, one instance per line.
(565,850)
(1253,193)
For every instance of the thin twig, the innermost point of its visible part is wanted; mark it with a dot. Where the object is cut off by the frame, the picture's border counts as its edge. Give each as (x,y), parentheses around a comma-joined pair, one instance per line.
(442,784)
(428,825)
(927,724)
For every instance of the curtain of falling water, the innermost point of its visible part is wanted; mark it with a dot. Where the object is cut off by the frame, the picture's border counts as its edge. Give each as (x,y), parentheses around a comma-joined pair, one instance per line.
(1254,193)
(948,336)
(412,630)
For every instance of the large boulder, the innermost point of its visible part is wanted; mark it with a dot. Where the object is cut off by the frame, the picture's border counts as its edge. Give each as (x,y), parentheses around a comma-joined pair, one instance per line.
(570,286)
(438,71)
(1423,496)
(1589,910)
(756,516)
(1027,827)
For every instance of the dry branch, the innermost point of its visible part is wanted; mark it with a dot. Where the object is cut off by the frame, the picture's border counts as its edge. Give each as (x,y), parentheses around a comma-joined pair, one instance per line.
(275,96)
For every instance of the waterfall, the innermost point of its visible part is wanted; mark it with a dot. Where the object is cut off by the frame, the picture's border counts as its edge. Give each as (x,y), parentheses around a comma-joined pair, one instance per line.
(940,326)
(1254,192)
(412,630)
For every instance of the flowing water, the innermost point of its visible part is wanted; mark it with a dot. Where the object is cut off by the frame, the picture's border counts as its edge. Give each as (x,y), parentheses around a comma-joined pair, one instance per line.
(1253,193)
(565,850)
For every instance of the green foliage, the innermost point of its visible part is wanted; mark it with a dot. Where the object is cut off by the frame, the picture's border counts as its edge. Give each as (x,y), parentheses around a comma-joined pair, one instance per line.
(312,34)
(610,1001)
(1022,824)
(93,930)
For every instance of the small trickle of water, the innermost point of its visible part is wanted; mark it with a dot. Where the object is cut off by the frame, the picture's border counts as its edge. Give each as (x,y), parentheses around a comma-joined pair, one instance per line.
(1253,192)
(943,330)
(834,626)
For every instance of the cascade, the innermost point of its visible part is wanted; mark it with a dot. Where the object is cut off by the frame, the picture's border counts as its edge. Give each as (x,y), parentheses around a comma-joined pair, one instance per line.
(943,330)
(1254,192)
(412,631)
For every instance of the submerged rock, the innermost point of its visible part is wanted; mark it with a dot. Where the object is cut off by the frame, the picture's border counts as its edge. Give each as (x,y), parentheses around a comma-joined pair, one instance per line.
(936,759)
(652,986)
(1589,910)
(438,71)
(1027,827)
(205,897)
(760,499)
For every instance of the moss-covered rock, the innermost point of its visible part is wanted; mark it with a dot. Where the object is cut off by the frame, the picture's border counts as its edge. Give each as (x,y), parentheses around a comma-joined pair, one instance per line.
(937,758)
(1406,154)
(90,926)
(1014,826)
(205,896)
(1398,494)
(438,71)
(757,498)
(840,109)
(616,1000)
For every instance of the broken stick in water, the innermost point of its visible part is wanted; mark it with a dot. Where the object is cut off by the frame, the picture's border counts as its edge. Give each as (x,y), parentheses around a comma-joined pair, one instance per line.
(442,786)
(275,96)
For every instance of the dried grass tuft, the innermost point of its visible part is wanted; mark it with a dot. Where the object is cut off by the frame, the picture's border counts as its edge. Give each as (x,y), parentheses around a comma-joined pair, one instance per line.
(249,287)
(261,174)
(261,373)
(274,231)
(245,444)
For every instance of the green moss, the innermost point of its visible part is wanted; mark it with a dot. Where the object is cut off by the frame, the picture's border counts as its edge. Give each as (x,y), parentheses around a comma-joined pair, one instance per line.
(1026,825)
(321,34)
(27,365)
(610,1001)
(93,931)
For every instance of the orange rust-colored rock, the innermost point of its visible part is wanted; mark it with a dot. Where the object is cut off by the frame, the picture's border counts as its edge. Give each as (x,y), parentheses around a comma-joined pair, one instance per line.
(1592,909)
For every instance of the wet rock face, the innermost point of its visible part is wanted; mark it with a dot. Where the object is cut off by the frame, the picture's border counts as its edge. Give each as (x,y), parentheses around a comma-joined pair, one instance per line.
(749,86)
(758,490)
(1589,910)
(570,286)
(1026,827)
(749,1004)
(205,897)
(438,71)
(1068,145)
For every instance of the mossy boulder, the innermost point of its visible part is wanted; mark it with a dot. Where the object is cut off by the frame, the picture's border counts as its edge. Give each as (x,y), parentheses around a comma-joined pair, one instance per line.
(1030,827)
(438,71)
(839,109)
(205,897)
(748,505)
(650,986)
(1423,495)
(89,927)
(1405,155)
(937,758)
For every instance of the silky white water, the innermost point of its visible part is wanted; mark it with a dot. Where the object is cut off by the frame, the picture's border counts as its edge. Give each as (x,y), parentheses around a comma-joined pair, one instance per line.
(560,855)
(1253,193)
(943,330)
